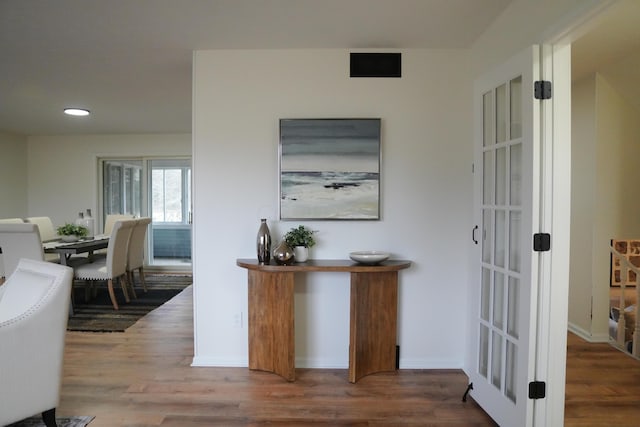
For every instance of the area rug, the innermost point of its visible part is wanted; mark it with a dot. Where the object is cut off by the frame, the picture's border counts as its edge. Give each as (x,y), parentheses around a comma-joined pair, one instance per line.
(36,421)
(98,315)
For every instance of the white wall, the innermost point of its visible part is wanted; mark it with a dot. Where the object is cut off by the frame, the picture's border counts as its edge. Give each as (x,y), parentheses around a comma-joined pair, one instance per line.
(239,96)
(583,166)
(616,210)
(13,176)
(63,170)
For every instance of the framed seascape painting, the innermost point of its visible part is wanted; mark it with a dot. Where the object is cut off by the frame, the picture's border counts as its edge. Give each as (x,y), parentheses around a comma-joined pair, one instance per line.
(330,169)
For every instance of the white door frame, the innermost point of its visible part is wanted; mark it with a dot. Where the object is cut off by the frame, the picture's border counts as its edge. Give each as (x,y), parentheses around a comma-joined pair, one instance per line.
(555,218)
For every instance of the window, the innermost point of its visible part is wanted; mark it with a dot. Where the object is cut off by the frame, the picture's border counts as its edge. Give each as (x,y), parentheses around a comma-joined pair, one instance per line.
(170,191)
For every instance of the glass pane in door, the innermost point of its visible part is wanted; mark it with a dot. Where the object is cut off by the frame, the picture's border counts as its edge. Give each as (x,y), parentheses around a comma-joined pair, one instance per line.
(515,178)
(496,359)
(483,357)
(487,114)
(510,371)
(488,186)
(515,116)
(500,233)
(485,294)
(122,187)
(501,176)
(513,293)
(498,300)
(501,113)
(487,234)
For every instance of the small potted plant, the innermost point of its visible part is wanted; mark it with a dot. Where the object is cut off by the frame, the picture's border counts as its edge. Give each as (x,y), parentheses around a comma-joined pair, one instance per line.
(300,239)
(71,232)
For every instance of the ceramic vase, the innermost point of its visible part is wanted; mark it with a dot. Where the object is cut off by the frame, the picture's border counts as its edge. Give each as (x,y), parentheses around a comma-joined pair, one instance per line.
(301,253)
(264,243)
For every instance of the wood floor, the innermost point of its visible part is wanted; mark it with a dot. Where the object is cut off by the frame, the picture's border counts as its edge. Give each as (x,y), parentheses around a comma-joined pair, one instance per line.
(603,385)
(142,377)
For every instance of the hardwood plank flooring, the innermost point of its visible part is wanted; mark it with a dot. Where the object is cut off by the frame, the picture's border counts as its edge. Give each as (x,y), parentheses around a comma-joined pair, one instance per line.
(603,385)
(143,377)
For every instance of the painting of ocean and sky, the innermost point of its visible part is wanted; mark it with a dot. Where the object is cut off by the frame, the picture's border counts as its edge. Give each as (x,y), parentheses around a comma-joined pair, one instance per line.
(329,168)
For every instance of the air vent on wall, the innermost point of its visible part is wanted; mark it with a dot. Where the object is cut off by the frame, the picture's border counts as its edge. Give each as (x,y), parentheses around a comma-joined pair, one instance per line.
(376,64)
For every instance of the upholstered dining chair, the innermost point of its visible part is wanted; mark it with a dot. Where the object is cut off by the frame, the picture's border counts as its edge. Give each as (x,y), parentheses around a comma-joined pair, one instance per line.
(135,259)
(34,304)
(47,230)
(19,241)
(114,265)
(111,219)
(47,233)
(108,227)
(7,221)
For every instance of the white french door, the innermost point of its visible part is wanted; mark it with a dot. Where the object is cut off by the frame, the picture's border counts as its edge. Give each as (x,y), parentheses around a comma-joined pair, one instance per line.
(505,268)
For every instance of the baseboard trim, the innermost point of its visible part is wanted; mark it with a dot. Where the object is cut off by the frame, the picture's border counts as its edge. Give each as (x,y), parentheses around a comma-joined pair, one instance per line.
(203,361)
(579,331)
(586,335)
(214,362)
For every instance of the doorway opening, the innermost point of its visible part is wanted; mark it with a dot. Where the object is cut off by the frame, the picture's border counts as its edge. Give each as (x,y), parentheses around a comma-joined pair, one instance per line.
(605,109)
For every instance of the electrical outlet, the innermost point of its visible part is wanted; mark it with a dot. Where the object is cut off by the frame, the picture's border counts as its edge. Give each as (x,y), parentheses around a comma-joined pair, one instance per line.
(237,320)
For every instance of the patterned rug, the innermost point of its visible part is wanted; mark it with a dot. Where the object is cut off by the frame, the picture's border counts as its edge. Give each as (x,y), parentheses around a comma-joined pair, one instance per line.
(98,315)
(36,421)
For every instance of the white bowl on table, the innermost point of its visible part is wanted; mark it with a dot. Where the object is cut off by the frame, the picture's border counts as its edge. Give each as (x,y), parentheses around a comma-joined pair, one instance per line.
(369,257)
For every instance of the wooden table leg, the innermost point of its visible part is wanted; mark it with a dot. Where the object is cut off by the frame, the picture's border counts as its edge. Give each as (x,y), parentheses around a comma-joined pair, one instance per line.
(373,329)
(271,323)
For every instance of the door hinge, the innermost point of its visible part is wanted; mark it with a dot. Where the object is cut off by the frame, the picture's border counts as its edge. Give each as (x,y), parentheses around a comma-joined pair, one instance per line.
(537,390)
(541,242)
(542,89)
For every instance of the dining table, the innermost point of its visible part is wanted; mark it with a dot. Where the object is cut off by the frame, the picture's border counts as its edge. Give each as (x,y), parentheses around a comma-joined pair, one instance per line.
(67,249)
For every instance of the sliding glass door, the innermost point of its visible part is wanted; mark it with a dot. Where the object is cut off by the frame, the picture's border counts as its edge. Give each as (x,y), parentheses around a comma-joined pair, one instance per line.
(170,196)
(155,187)
(122,185)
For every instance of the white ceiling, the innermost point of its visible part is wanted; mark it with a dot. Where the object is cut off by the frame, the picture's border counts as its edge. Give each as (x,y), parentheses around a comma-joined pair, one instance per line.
(611,46)
(129,62)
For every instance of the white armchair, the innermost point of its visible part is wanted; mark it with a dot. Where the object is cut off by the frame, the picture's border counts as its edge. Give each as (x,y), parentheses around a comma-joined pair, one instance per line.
(34,308)
(7,221)
(19,241)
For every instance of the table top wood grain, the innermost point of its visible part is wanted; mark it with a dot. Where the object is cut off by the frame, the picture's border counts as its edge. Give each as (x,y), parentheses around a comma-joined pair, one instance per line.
(337,265)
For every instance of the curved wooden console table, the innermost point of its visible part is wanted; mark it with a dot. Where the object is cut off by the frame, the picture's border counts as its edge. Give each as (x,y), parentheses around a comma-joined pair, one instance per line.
(373,317)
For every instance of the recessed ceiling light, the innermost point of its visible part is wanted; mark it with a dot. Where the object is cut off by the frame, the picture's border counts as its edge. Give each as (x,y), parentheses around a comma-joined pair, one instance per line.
(76,111)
